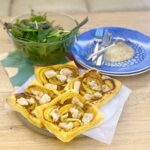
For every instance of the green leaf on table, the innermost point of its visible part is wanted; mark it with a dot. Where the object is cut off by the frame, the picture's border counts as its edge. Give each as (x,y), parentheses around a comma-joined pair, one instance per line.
(25,67)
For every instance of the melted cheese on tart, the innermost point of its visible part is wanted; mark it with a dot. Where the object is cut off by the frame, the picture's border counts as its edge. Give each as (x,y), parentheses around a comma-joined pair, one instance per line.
(25,101)
(87,117)
(94,85)
(50,73)
(54,114)
(66,71)
(31,100)
(105,88)
(88,96)
(61,78)
(52,86)
(77,86)
(66,125)
(22,101)
(97,95)
(36,93)
(74,112)
(76,101)
(44,99)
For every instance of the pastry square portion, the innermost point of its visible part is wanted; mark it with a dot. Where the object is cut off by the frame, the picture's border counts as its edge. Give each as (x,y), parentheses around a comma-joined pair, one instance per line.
(26,102)
(68,116)
(95,87)
(57,76)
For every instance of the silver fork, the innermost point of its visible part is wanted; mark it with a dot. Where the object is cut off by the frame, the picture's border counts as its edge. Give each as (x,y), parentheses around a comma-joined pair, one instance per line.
(97,40)
(103,43)
(107,40)
(104,49)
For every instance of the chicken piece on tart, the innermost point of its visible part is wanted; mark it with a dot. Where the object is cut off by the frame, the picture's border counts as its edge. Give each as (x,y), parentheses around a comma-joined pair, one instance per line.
(25,103)
(57,76)
(95,87)
(68,116)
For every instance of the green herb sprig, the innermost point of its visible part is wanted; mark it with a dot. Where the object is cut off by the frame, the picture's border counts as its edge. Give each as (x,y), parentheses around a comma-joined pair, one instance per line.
(37,29)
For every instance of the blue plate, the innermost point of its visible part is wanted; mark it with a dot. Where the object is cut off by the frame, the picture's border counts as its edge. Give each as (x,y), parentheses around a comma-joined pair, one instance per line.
(140,43)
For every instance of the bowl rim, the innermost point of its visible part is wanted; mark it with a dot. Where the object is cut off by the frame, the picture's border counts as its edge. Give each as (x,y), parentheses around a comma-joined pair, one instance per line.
(48,13)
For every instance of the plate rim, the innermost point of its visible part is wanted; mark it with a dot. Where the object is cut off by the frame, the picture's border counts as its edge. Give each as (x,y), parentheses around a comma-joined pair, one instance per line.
(127,73)
(115,74)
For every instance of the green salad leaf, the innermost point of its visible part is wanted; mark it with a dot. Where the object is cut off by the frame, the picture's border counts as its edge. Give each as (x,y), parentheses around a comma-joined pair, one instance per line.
(40,39)
(37,29)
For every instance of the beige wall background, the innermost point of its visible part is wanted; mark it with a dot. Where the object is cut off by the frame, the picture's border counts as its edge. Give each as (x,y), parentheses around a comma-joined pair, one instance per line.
(18,7)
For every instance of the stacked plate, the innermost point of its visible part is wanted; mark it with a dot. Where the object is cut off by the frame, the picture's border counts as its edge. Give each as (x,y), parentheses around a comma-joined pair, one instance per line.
(138,63)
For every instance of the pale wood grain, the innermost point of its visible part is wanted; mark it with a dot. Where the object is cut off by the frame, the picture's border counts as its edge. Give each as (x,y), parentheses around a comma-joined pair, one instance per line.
(133,131)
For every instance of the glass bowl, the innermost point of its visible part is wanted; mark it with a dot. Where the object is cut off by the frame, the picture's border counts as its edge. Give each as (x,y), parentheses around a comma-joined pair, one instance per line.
(47,53)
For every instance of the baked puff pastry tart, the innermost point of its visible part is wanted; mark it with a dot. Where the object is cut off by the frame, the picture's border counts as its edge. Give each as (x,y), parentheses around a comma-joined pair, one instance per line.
(95,87)
(57,76)
(26,102)
(68,116)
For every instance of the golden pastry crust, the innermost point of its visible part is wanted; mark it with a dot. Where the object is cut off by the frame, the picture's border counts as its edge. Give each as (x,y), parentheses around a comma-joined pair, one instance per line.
(95,87)
(28,110)
(66,118)
(56,69)
(35,85)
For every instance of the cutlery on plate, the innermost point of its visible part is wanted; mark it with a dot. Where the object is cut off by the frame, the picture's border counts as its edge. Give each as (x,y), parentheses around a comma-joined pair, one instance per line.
(104,49)
(102,39)
(97,40)
(103,43)
(107,40)
(101,57)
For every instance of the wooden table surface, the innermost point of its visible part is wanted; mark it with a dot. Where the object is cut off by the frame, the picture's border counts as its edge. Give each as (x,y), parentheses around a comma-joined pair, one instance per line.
(133,131)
